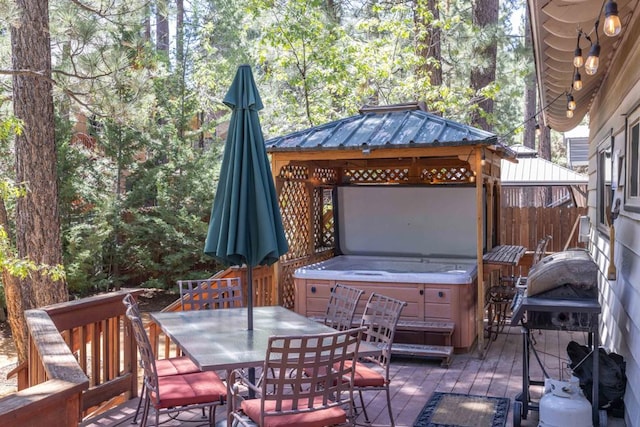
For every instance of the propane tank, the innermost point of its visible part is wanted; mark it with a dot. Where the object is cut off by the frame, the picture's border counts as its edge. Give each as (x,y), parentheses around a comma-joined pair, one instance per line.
(564,405)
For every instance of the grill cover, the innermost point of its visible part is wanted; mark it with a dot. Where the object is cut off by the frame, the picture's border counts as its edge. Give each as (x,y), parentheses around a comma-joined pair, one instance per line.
(561,292)
(568,274)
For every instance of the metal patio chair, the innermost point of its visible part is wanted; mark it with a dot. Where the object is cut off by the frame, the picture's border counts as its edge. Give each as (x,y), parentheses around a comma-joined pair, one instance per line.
(165,367)
(172,393)
(380,317)
(211,293)
(341,307)
(541,249)
(324,398)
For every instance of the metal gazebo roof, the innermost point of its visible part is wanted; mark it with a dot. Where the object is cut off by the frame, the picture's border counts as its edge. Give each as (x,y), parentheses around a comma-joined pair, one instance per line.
(532,170)
(404,125)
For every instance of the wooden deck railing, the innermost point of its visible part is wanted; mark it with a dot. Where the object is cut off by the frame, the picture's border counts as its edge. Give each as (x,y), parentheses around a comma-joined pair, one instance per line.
(82,360)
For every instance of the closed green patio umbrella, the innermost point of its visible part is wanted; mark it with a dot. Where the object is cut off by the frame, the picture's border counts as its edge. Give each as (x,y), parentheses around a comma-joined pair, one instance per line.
(245,226)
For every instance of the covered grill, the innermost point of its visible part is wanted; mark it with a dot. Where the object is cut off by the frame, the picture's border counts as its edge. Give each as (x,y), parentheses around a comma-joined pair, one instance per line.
(560,293)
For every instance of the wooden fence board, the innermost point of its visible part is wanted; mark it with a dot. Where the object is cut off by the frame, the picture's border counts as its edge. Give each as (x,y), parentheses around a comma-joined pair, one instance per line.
(526,226)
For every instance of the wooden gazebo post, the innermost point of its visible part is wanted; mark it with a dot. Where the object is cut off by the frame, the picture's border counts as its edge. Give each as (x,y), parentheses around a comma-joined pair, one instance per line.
(477,167)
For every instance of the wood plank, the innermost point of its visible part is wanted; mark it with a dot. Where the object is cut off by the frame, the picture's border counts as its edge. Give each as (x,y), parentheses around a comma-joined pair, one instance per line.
(443,352)
(413,381)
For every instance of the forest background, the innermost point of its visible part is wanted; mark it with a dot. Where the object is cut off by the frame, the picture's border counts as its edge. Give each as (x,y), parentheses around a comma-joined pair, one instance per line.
(136,87)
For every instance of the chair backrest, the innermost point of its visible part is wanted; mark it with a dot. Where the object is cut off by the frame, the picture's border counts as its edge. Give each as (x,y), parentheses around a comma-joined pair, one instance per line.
(341,307)
(211,293)
(381,316)
(147,358)
(540,250)
(308,372)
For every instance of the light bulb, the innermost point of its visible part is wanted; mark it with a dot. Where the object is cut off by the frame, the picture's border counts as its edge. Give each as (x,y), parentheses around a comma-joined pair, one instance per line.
(612,25)
(578,60)
(571,103)
(593,60)
(538,130)
(569,114)
(577,81)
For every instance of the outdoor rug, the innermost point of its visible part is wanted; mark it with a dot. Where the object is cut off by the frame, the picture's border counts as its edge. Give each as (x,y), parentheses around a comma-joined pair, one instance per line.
(463,410)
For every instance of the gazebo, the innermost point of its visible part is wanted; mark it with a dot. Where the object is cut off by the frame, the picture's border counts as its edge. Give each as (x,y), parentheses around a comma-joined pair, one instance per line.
(387,146)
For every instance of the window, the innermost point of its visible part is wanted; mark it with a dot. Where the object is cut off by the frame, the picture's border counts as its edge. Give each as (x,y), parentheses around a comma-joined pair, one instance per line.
(604,185)
(632,201)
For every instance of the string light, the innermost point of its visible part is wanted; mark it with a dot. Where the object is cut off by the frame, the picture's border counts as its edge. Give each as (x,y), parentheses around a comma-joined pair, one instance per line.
(577,81)
(612,25)
(593,60)
(538,128)
(578,60)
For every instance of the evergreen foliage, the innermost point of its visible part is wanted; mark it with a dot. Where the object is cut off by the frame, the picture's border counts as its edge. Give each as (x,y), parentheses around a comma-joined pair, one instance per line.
(138,154)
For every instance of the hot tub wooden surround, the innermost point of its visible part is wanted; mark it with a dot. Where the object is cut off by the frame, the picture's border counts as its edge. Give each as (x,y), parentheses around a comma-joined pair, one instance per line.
(438,304)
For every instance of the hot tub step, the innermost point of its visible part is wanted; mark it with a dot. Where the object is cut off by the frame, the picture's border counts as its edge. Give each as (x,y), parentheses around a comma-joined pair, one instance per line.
(444,328)
(423,350)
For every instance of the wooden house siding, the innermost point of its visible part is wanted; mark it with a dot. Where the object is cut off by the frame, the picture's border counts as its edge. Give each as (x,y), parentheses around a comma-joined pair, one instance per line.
(620,297)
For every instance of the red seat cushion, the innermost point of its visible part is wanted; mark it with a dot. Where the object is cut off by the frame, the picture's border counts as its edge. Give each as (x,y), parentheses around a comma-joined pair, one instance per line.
(199,387)
(366,377)
(319,418)
(175,366)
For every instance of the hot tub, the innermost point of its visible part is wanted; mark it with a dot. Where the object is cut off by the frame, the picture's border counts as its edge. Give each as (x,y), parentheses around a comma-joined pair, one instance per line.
(436,289)
(392,269)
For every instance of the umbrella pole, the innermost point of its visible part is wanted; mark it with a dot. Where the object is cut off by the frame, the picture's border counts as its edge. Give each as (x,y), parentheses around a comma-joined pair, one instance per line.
(249,297)
(252,371)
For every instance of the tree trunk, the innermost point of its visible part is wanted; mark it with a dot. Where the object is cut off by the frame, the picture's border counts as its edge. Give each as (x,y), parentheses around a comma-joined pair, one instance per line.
(333,10)
(162,26)
(180,31)
(147,23)
(428,40)
(530,119)
(485,15)
(37,215)
(544,148)
(544,151)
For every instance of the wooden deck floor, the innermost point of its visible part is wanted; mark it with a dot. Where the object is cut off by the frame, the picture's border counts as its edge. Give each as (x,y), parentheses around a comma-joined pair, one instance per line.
(499,374)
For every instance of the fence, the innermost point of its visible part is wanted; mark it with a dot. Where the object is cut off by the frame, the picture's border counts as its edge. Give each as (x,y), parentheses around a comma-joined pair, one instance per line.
(526,226)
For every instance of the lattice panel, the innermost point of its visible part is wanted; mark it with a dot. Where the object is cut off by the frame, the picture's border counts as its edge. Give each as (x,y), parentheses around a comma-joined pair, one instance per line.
(328,233)
(294,172)
(323,230)
(447,174)
(287,284)
(378,175)
(325,175)
(294,201)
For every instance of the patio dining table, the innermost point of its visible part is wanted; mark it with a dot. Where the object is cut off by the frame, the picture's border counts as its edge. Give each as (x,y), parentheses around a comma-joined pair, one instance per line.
(220,340)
